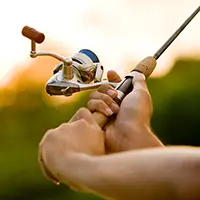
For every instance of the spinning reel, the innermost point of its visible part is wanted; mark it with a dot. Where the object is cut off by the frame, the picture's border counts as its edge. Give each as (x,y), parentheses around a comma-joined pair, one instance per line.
(82,71)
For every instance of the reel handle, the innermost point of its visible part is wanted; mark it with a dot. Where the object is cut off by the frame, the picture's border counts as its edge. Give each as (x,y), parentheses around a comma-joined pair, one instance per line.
(33,34)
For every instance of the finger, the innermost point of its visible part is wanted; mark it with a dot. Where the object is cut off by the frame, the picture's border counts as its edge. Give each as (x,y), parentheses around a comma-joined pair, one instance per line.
(108,89)
(139,81)
(100,106)
(113,76)
(106,99)
(83,113)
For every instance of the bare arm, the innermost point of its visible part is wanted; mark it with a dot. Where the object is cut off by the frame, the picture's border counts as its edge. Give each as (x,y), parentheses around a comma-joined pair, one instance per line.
(74,154)
(160,173)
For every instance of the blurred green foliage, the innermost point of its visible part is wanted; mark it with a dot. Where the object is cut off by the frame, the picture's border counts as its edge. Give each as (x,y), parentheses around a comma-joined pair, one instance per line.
(175,120)
(176,104)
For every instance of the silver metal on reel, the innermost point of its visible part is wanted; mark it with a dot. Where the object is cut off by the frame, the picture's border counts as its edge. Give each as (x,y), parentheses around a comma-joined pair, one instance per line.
(77,73)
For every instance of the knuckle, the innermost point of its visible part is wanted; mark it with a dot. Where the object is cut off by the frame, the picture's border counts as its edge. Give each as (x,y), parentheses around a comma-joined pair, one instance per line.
(90,104)
(100,106)
(63,126)
(83,123)
(110,87)
(106,98)
(48,137)
(103,88)
(93,94)
(82,112)
(97,105)
(139,76)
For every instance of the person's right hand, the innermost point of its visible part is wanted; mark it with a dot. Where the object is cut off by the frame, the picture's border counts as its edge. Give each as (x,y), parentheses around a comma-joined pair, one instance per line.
(130,129)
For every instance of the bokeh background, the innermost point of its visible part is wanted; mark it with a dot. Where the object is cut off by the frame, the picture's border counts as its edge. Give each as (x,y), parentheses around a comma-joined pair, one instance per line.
(121,32)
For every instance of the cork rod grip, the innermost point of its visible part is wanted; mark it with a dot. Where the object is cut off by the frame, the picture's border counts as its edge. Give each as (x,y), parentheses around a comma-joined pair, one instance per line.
(146,66)
(33,34)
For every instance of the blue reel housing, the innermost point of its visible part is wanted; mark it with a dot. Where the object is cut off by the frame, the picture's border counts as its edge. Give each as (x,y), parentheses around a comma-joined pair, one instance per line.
(90,54)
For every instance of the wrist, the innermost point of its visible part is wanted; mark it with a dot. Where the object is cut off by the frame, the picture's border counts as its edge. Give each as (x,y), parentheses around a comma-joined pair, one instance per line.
(77,170)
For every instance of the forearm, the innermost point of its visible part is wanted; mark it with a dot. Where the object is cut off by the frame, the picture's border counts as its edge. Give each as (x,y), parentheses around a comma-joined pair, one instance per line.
(166,173)
(169,173)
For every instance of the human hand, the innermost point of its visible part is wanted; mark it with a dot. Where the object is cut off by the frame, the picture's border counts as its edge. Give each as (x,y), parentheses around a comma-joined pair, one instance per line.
(130,128)
(80,135)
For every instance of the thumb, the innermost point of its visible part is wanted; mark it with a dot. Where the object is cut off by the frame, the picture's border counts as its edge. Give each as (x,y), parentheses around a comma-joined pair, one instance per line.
(113,76)
(139,81)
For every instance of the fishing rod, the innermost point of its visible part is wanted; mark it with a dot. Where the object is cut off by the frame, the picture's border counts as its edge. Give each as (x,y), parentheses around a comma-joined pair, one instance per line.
(83,70)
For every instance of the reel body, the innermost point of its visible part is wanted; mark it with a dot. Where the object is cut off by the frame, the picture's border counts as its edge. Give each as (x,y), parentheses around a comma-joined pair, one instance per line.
(87,73)
(82,71)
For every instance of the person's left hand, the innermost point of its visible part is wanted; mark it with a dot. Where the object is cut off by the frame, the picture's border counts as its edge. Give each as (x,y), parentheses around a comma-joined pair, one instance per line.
(81,135)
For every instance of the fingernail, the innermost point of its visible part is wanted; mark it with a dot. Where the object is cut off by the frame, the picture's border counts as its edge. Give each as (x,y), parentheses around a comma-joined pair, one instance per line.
(111,92)
(108,111)
(115,107)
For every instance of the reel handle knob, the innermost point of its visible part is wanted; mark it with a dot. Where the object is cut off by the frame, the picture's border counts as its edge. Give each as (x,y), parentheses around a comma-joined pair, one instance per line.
(33,34)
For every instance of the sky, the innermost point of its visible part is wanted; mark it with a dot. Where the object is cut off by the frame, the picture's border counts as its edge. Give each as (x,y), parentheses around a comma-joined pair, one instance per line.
(116,30)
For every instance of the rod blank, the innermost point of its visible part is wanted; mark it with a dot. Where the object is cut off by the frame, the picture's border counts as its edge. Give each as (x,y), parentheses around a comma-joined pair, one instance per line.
(175,35)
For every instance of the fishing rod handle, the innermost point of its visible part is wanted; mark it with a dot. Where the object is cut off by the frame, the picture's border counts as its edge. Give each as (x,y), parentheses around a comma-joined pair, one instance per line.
(146,67)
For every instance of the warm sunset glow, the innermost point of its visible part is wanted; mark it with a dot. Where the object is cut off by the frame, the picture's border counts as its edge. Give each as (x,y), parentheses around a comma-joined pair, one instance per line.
(117,30)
